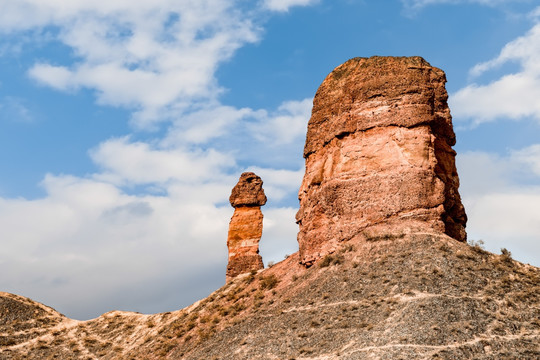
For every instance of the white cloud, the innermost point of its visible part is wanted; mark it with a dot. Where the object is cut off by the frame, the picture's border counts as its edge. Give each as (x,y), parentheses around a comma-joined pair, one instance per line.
(513,96)
(203,125)
(153,57)
(125,162)
(279,234)
(529,156)
(284,126)
(285,5)
(57,77)
(86,240)
(503,209)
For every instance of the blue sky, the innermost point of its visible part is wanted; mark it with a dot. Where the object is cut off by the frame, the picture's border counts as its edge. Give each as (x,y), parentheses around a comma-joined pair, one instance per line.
(124,126)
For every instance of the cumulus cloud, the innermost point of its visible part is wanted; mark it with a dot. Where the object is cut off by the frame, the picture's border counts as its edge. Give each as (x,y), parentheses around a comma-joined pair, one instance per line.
(86,242)
(205,124)
(503,209)
(515,95)
(285,5)
(156,57)
(286,125)
(134,163)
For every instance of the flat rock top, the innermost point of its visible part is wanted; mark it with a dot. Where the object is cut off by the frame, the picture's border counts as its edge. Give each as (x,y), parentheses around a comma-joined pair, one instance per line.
(363,93)
(248,191)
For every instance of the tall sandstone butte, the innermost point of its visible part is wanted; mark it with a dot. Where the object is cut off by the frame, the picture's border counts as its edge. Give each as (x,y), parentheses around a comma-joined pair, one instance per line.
(379,156)
(245,228)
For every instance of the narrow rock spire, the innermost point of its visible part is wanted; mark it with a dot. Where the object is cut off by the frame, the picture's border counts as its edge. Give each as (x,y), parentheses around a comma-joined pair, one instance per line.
(245,228)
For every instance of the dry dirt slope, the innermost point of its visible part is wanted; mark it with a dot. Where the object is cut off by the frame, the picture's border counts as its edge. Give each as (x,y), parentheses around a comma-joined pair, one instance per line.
(419,296)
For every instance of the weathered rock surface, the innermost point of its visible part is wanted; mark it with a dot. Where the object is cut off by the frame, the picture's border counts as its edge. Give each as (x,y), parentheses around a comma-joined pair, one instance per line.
(379,156)
(248,191)
(245,228)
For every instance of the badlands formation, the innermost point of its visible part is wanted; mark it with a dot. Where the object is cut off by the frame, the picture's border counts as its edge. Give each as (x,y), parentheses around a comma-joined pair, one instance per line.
(383,270)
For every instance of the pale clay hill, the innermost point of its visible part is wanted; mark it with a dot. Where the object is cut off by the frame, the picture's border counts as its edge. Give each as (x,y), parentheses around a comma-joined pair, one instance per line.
(383,270)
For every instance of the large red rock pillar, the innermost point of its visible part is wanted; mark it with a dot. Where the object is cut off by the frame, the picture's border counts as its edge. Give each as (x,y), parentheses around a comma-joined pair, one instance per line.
(245,228)
(378,155)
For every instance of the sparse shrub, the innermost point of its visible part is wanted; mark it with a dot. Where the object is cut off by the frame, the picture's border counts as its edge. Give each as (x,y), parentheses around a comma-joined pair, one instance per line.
(268,282)
(476,244)
(249,279)
(204,319)
(224,311)
(259,295)
(205,335)
(444,247)
(150,324)
(271,263)
(506,254)
(331,259)
(90,341)
(348,248)
(190,325)
(307,350)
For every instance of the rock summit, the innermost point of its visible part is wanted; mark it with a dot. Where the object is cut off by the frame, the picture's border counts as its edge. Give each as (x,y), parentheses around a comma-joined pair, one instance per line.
(379,156)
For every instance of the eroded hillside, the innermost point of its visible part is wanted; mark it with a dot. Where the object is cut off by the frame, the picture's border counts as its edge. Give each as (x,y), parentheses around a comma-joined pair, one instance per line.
(417,296)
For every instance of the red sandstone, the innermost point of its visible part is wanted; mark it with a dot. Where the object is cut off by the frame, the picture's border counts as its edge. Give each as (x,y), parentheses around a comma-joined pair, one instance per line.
(379,156)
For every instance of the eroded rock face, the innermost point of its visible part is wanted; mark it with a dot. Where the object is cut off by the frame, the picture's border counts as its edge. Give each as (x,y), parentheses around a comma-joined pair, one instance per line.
(379,156)
(245,228)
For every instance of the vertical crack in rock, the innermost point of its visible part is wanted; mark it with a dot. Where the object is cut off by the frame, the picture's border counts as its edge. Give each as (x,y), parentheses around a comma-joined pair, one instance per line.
(379,156)
(245,228)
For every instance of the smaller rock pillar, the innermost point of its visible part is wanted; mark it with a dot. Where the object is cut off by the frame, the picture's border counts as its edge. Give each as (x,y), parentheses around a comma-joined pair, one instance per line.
(245,228)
